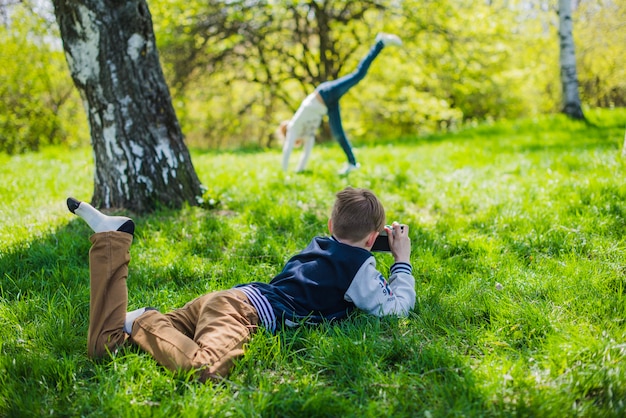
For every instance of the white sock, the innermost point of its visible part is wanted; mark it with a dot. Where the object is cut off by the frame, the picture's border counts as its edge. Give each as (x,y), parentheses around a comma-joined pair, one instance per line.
(130,319)
(97,220)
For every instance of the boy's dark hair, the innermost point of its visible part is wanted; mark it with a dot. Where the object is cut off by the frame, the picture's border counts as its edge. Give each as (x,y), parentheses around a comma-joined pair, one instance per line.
(357,213)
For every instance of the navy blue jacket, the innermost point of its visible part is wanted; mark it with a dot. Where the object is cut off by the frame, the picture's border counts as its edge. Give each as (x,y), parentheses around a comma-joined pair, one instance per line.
(314,286)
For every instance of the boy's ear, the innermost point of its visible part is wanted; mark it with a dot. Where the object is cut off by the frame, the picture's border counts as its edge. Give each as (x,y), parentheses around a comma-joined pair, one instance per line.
(371,238)
(330,226)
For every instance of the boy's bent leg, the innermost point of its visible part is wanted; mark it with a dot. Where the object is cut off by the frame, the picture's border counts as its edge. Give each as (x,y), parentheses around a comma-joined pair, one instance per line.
(155,333)
(223,323)
(108,267)
(226,324)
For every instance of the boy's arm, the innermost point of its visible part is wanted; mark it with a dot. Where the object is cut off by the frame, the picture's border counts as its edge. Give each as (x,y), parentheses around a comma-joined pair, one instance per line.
(371,292)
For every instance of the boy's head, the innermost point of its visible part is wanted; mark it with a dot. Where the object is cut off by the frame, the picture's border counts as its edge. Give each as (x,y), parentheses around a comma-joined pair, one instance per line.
(356,214)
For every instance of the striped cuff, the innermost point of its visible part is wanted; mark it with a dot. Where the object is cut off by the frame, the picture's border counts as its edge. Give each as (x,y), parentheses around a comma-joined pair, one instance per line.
(401,268)
(262,305)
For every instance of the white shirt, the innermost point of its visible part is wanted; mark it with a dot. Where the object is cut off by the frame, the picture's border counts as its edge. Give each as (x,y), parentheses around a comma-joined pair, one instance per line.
(304,124)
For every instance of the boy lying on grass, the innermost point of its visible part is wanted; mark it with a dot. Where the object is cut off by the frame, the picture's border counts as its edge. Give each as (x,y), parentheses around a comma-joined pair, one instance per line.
(325,281)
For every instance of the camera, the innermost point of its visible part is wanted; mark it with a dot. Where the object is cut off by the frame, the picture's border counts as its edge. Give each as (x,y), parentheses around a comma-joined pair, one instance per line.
(382,241)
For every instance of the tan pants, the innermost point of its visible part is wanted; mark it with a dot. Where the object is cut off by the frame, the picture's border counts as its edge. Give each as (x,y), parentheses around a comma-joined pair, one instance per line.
(206,335)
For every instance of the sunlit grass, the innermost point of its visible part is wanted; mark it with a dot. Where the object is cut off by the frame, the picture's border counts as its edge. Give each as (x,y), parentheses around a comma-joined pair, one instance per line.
(518,244)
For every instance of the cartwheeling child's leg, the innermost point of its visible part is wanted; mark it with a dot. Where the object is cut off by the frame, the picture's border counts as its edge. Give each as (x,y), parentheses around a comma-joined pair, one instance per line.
(331,91)
(108,267)
(336,129)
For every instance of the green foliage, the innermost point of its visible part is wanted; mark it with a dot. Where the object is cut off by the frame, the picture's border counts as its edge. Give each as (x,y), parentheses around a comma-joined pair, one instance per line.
(449,71)
(39,104)
(536,206)
(240,69)
(600,39)
(236,69)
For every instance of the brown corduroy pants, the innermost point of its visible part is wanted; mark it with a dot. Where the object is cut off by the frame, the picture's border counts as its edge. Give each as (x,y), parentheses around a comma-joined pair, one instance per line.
(206,335)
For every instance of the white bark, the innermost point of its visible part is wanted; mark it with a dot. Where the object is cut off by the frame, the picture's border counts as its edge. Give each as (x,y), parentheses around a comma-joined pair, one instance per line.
(141,159)
(569,77)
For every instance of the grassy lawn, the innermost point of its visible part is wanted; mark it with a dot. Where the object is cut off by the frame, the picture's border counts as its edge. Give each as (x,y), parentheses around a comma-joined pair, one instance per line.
(518,253)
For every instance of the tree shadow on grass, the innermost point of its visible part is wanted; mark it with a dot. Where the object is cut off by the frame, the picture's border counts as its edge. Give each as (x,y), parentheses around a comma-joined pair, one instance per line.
(44,308)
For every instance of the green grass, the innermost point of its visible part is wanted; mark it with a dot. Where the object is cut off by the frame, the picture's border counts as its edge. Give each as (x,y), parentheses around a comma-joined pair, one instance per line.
(537,206)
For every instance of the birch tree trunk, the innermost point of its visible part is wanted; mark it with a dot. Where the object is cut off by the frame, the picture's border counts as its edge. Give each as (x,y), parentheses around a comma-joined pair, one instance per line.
(140,158)
(569,77)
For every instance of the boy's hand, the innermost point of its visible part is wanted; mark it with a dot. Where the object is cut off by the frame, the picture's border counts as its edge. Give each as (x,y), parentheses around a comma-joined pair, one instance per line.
(399,242)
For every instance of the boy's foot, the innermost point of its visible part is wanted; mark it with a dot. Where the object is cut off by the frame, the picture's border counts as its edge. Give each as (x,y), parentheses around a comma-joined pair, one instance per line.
(132,316)
(389,39)
(348,168)
(97,220)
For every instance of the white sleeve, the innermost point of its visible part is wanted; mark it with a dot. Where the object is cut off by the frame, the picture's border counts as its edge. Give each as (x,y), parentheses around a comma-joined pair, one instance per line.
(371,292)
(290,140)
(308,147)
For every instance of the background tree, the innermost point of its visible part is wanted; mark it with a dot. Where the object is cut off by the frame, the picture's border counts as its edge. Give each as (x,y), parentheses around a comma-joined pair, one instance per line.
(140,157)
(236,67)
(246,67)
(273,48)
(569,78)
